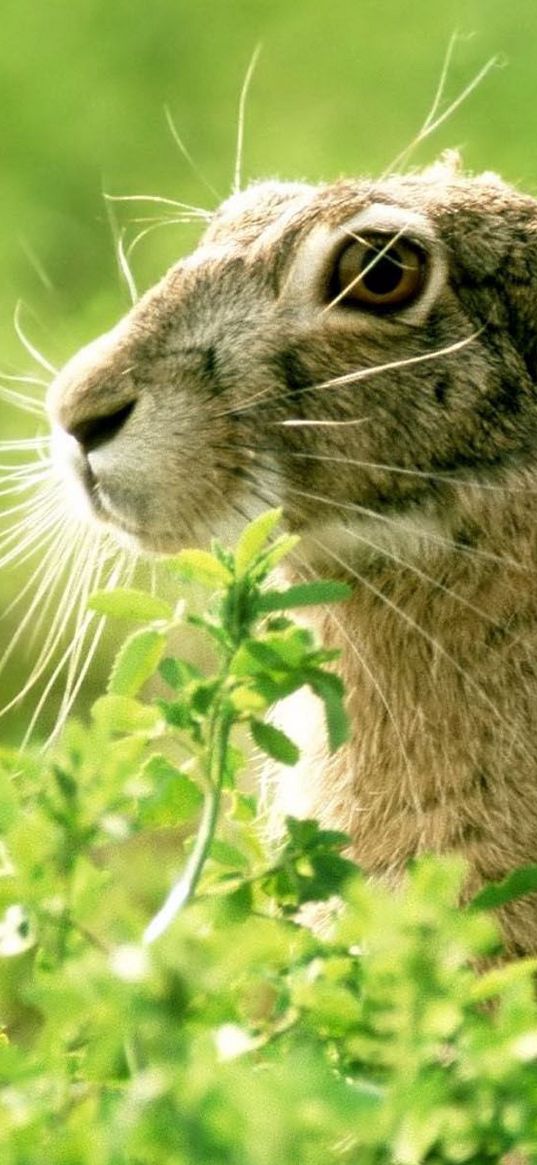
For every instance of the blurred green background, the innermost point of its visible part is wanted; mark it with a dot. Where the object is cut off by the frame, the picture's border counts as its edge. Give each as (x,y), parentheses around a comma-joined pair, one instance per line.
(341,87)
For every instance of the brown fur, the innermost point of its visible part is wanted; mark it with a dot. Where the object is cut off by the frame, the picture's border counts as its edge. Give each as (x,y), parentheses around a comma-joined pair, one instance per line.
(439,638)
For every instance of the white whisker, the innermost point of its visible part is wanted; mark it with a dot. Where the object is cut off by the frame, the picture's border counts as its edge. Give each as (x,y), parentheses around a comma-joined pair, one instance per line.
(194,210)
(36,263)
(25,379)
(124,267)
(434,119)
(392,365)
(298,423)
(48,567)
(74,684)
(124,270)
(237,176)
(422,474)
(421,631)
(41,601)
(21,443)
(369,266)
(353,646)
(155,226)
(19,401)
(448,543)
(186,154)
(350,378)
(30,348)
(383,550)
(32,540)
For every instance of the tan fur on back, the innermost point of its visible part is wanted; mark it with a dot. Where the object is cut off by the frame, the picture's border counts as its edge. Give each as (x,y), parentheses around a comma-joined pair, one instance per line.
(425,499)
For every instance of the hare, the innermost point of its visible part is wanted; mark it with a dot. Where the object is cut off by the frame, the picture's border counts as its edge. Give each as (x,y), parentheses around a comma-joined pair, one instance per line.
(363,354)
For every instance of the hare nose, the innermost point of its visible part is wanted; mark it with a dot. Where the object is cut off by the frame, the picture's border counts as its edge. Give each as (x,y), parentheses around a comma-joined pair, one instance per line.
(95,431)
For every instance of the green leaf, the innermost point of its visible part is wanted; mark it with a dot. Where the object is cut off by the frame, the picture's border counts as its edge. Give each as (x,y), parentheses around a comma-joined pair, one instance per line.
(521,882)
(175,797)
(274,742)
(178,672)
(304,595)
(130,604)
(228,855)
(280,549)
(136,661)
(329,688)
(274,653)
(253,539)
(201,567)
(255,656)
(245,699)
(499,979)
(115,713)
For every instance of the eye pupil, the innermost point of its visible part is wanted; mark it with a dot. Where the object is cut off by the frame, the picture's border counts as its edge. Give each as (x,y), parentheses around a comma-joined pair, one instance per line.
(384,274)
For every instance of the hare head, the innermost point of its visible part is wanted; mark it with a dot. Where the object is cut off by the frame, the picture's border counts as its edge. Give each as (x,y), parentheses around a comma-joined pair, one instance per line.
(343,350)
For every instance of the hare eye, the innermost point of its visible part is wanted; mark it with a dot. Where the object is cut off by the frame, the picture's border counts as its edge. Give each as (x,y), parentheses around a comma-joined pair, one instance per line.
(372,273)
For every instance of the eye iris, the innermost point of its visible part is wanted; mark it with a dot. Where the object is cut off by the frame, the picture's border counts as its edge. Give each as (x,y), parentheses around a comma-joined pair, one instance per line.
(378,273)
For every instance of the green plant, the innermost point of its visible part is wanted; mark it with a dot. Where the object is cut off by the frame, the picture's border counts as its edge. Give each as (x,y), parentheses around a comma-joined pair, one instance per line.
(216,1029)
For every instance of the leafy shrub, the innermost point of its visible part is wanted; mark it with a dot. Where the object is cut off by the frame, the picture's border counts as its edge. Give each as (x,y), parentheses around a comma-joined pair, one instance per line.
(163,1005)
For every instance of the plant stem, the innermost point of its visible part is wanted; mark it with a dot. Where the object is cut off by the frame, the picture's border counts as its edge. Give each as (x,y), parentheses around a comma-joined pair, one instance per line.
(183,890)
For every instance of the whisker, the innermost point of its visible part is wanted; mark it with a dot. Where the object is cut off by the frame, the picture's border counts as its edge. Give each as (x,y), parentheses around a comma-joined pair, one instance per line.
(19,401)
(449,543)
(83,625)
(378,255)
(32,504)
(25,379)
(155,226)
(20,486)
(434,119)
(84,621)
(121,573)
(186,154)
(30,348)
(36,263)
(62,614)
(298,423)
(421,631)
(391,365)
(349,378)
(28,468)
(22,443)
(423,575)
(196,211)
(125,269)
(42,600)
(48,567)
(237,176)
(422,474)
(74,566)
(79,633)
(36,531)
(353,646)
(46,591)
(164,219)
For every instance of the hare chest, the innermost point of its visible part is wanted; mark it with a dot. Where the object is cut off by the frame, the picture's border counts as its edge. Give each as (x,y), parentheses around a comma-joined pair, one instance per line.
(443,748)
